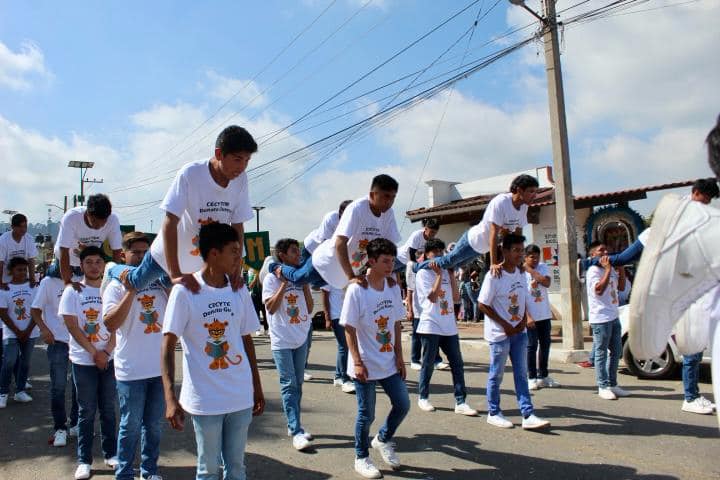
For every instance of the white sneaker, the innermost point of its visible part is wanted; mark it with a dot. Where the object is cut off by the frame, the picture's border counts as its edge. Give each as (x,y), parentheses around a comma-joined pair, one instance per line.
(60,438)
(465,409)
(307,434)
(415,366)
(300,442)
(425,405)
(707,402)
(338,382)
(348,387)
(619,392)
(387,450)
(366,468)
(549,382)
(74,431)
(532,422)
(442,366)
(28,385)
(678,265)
(534,384)
(697,406)
(307,376)
(82,471)
(499,421)
(154,477)
(3,401)
(22,397)
(112,462)
(607,394)
(105,282)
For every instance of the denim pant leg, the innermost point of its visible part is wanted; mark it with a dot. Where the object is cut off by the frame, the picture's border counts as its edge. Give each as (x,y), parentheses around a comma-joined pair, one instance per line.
(86,383)
(23,368)
(499,352)
(461,254)
(301,275)
(290,365)
(601,340)
(430,345)
(151,426)
(131,399)
(74,407)
(341,359)
(451,346)
(141,276)
(415,343)
(308,342)
(10,358)
(629,255)
(543,333)
(532,334)
(235,433)
(107,397)
(57,355)
(690,375)
(396,389)
(518,358)
(615,348)
(365,394)
(208,438)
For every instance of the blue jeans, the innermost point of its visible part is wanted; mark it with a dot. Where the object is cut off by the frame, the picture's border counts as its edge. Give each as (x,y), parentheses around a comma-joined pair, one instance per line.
(690,375)
(461,254)
(301,275)
(607,336)
(15,355)
(629,255)
(309,344)
(341,359)
(538,336)
(58,361)
(395,388)
(416,345)
(290,364)
(516,348)
(142,406)
(144,274)
(54,270)
(451,346)
(221,440)
(95,392)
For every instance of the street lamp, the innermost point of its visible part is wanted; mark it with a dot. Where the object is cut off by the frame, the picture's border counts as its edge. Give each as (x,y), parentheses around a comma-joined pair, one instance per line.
(257,217)
(83,166)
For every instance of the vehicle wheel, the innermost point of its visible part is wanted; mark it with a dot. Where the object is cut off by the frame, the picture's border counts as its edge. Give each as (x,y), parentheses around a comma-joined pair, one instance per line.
(656,368)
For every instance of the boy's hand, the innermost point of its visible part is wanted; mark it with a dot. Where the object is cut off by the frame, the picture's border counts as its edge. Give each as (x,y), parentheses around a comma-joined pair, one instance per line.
(401,368)
(605,262)
(175,415)
(47,336)
(187,280)
(435,268)
(496,270)
(236,281)
(258,402)
(123,277)
(361,373)
(101,359)
(530,323)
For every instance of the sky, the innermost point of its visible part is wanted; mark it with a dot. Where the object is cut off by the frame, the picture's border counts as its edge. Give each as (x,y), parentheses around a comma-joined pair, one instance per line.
(140,88)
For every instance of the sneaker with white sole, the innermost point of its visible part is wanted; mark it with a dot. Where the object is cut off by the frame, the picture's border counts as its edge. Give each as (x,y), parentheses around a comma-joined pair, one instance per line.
(366,468)
(82,471)
(307,376)
(465,409)
(300,442)
(60,438)
(338,382)
(22,397)
(442,366)
(387,451)
(28,386)
(3,400)
(154,477)
(606,393)
(307,434)
(348,387)
(549,382)
(499,421)
(425,405)
(678,265)
(415,366)
(532,422)
(534,384)
(697,406)
(620,392)
(112,462)
(74,431)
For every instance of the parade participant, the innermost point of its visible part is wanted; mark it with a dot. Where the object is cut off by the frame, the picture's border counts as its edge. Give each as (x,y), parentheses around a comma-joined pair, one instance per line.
(17,243)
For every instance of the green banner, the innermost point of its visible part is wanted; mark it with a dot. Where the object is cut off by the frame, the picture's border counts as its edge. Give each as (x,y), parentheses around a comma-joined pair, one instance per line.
(257,247)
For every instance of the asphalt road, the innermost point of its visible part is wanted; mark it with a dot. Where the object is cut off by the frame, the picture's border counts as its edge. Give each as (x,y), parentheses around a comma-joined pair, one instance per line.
(645,436)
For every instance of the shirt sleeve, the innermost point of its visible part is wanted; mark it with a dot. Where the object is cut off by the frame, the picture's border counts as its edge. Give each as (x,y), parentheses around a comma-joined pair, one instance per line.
(593,276)
(329,224)
(350,314)
(112,296)
(543,270)
(3,250)
(523,216)
(391,228)
(423,283)
(400,311)
(177,313)
(66,236)
(270,286)
(250,323)
(68,302)
(176,198)
(487,291)
(114,235)
(39,300)
(493,213)
(243,211)
(32,250)
(410,277)
(349,221)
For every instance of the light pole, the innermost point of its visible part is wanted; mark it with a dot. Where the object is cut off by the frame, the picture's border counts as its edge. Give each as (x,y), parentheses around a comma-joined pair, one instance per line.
(564,203)
(257,217)
(83,166)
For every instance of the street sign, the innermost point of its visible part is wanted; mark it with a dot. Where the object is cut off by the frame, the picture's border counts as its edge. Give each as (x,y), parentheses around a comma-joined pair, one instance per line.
(257,247)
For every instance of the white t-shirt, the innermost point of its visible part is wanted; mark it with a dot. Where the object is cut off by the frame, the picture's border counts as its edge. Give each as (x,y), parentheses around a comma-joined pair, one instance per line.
(18,300)
(359,225)
(86,306)
(217,378)
(602,308)
(9,248)
(290,324)
(373,315)
(643,237)
(410,277)
(502,213)
(196,199)
(336,297)
(139,338)
(437,318)
(508,296)
(323,232)
(47,299)
(416,241)
(539,303)
(75,235)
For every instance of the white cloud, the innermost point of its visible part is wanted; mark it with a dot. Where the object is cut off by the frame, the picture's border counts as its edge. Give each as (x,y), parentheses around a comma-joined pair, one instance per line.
(19,70)
(237,90)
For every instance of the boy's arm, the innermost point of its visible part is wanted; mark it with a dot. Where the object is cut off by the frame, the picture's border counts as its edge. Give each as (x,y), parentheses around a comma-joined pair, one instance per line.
(399,362)
(437,284)
(273,303)
(10,324)
(308,298)
(116,316)
(410,307)
(326,308)
(538,277)
(240,229)
(454,286)
(258,396)
(602,284)
(47,335)
(73,327)
(490,312)
(170,239)
(65,271)
(341,250)
(361,372)
(495,268)
(117,255)
(174,413)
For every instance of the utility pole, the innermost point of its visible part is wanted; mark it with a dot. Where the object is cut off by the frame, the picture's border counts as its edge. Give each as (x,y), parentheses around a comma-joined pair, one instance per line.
(257,217)
(83,166)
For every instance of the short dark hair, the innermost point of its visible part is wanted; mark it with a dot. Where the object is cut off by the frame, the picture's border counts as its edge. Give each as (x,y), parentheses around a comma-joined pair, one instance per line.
(132,237)
(380,246)
(431,223)
(99,206)
(706,186)
(532,249)
(521,182)
(434,244)
(593,245)
(343,206)
(234,139)
(713,145)
(18,219)
(215,235)
(284,244)
(17,261)
(512,239)
(90,251)
(385,183)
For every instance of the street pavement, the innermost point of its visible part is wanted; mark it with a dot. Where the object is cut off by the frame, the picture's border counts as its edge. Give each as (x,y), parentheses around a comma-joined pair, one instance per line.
(645,436)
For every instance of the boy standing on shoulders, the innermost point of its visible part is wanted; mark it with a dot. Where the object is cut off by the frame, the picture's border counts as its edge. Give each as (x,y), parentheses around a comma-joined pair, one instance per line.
(503,300)
(372,319)
(221,386)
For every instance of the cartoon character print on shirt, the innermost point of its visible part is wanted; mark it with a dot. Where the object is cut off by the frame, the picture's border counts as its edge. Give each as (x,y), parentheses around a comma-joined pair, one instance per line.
(92,327)
(293,310)
(149,316)
(217,346)
(358,258)
(383,336)
(444,305)
(20,310)
(535,291)
(195,240)
(514,307)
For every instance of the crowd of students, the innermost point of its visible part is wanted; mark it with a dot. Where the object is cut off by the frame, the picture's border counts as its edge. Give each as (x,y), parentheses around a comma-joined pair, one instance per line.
(117,325)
